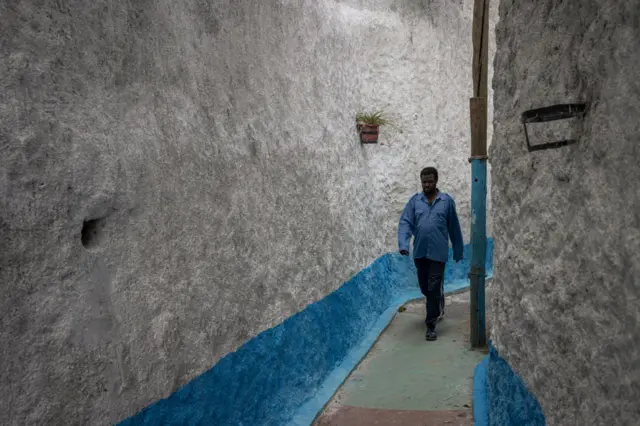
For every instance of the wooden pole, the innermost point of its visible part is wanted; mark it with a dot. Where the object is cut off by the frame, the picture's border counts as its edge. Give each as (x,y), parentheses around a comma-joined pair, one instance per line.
(478,159)
(480,34)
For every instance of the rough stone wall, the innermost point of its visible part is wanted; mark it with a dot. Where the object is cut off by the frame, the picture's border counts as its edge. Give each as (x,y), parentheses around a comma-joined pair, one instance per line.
(209,151)
(419,55)
(567,256)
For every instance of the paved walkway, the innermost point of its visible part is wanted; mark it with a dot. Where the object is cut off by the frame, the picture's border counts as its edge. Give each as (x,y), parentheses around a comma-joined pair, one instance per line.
(406,380)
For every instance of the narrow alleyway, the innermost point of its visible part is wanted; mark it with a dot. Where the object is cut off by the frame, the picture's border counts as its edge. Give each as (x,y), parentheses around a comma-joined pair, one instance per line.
(405,380)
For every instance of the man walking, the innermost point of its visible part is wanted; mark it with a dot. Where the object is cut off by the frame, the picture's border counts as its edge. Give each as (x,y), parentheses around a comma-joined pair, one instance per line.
(430,216)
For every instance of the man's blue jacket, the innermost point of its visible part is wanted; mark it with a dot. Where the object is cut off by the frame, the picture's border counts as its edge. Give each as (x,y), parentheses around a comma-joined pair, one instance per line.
(431,226)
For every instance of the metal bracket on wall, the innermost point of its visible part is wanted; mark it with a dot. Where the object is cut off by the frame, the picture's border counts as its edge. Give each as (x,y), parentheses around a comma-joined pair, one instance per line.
(478,157)
(551,113)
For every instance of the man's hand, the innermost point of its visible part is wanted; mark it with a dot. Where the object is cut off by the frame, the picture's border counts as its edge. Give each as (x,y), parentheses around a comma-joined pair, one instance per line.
(404,252)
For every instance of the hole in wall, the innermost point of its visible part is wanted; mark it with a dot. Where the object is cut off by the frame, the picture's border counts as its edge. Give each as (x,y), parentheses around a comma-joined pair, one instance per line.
(92,234)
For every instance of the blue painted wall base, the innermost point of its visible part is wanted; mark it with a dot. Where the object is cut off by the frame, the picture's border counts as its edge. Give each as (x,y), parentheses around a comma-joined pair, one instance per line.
(500,397)
(480,397)
(285,375)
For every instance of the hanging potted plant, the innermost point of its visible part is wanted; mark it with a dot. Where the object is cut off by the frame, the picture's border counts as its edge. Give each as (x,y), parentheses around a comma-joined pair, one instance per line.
(369,124)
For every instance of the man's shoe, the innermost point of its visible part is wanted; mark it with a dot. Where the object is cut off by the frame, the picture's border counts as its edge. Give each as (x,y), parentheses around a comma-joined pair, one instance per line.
(432,335)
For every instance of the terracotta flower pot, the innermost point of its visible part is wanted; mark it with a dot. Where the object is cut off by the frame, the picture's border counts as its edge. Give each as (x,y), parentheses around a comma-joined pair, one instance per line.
(368,133)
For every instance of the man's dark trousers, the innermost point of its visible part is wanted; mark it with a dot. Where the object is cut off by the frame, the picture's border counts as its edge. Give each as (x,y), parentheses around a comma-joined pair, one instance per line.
(431,280)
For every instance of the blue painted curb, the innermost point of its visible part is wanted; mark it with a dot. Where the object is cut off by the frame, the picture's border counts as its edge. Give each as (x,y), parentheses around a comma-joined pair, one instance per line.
(286,374)
(500,397)
(307,413)
(480,398)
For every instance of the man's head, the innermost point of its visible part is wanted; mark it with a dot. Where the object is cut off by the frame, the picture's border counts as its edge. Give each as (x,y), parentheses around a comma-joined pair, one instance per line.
(429,179)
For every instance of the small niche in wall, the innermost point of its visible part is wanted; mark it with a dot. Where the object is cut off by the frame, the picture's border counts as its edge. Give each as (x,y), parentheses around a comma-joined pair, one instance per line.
(565,129)
(92,234)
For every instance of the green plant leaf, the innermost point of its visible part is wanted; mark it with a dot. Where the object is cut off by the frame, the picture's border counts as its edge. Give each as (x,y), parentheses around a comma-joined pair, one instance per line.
(375,118)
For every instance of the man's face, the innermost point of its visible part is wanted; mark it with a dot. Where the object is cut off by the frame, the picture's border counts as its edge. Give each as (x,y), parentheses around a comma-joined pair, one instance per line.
(428,184)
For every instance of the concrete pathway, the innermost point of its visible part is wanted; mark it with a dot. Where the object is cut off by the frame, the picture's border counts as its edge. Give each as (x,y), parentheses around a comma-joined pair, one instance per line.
(406,380)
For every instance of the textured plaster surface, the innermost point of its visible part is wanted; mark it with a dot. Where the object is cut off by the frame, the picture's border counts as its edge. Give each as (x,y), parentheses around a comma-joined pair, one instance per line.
(419,57)
(500,397)
(286,374)
(510,403)
(214,145)
(567,256)
(268,379)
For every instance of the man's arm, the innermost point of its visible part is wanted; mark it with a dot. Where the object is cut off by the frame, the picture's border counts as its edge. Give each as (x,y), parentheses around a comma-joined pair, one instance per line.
(455,233)
(405,227)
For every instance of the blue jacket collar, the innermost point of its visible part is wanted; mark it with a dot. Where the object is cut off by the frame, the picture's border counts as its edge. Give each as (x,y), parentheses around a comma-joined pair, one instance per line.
(438,196)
